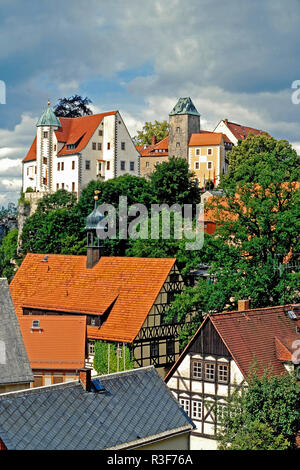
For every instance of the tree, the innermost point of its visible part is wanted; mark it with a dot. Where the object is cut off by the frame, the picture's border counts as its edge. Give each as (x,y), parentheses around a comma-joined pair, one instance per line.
(8,253)
(257,237)
(265,416)
(160,130)
(172,182)
(74,106)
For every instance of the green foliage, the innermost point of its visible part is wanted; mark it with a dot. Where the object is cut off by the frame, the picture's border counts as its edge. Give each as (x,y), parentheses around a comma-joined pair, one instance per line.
(265,416)
(173,184)
(106,360)
(58,200)
(8,252)
(74,106)
(247,250)
(159,129)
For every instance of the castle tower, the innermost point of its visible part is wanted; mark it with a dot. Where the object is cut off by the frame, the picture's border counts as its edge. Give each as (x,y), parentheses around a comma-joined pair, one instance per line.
(184,121)
(46,126)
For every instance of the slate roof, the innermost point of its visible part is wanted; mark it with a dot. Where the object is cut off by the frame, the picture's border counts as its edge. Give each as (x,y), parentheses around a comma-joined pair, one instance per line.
(129,286)
(184,106)
(58,343)
(14,363)
(265,335)
(136,407)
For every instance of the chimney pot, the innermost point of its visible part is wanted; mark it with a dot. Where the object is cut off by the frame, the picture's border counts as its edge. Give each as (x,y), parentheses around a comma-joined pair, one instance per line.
(85,379)
(243,305)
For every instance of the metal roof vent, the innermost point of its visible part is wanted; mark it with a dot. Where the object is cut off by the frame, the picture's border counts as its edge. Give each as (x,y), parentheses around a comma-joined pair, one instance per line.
(97,386)
(292,315)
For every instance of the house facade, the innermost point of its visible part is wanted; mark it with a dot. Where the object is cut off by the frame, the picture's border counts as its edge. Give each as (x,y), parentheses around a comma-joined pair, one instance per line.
(152,155)
(220,356)
(236,132)
(67,153)
(208,156)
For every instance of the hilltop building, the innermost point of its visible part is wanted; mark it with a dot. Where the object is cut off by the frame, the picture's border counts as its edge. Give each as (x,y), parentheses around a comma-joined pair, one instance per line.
(236,132)
(67,153)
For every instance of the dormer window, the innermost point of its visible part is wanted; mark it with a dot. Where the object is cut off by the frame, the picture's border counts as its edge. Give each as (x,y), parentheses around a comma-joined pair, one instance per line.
(35,324)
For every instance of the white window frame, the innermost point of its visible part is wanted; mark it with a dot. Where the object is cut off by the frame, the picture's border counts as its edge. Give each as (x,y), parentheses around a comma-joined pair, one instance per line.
(197,409)
(212,165)
(185,404)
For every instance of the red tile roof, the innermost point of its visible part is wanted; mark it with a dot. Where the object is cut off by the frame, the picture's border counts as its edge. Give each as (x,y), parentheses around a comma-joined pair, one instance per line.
(266,335)
(154,150)
(73,130)
(242,132)
(129,286)
(31,155)
(208,138)
(59,344)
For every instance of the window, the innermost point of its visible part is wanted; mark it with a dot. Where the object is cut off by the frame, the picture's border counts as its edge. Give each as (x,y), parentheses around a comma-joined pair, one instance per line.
(197,152)
(132,166)
(45,135)
(122,145)
(73,187)
(209,151)
(58,166)
(108,165)
(73,165)
(87,164)
(99,146)
(177,144)
(91,348)
(35,324)
(196,165)
(63,185)
(197,369)
(223,373)
(62,166)
(178,130)
(209,165)
(94,147)
(35,170)
(27,171)
(209,372)
(55,148)
(122,165)
(57,186)
(45,160)
(147,164)
(108,145)
(185,404)
(170,346)
(100,133)
(154,348)
(196,409)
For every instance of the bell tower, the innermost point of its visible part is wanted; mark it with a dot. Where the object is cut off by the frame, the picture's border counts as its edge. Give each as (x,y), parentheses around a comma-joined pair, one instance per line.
(94,243)
(184,121)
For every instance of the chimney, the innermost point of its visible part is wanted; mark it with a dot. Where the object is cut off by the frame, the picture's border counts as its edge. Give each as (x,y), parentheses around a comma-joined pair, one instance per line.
(226,121)
(92,256)
(243,305)
(85,379)
(153,140)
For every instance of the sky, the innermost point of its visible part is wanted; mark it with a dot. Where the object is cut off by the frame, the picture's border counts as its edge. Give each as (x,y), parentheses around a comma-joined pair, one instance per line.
(236,59)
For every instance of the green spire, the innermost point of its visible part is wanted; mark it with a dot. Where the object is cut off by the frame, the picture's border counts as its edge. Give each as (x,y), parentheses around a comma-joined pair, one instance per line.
(184,106)
(48,118)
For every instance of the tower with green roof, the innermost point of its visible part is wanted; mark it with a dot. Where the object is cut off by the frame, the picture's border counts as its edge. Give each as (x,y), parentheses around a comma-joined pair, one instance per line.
(184,121)
(46,126)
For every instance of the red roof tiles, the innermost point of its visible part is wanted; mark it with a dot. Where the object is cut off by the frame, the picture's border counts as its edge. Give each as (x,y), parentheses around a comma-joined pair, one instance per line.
(242,132)
(128,286)
(159,149)
(208,138)
(73,131)
(58,343)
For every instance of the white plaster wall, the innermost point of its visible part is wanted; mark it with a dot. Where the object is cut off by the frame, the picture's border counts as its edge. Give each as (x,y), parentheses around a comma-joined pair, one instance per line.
(29,180)
(200,443)
(130,154)
(221,127)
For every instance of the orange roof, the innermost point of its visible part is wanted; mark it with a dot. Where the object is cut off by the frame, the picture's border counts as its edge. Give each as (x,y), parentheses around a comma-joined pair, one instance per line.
(242,132)
(31,155)
(152,150)
(126,286)
(73,131)
(58,344)
(208,138)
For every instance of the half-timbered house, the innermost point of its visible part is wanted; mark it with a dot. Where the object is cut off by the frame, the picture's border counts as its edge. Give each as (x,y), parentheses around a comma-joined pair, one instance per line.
(220,356)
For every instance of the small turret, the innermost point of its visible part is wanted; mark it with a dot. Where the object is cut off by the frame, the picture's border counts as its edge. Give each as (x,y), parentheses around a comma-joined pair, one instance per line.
(94,243)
